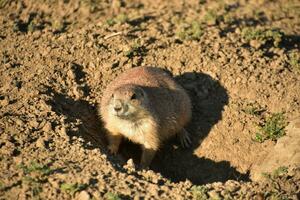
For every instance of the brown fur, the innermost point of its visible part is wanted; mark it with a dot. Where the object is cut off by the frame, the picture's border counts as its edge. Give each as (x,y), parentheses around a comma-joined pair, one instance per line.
(162,108)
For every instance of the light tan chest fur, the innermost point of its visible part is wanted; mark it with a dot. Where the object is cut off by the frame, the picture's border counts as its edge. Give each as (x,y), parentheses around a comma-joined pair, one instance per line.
(137,131)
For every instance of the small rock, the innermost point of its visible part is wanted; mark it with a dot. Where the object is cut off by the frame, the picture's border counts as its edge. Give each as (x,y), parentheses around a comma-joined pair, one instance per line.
(19,122)
(4,102)
(226,194)
(237,31)
(1,130)
(130,166)
(34,123)
(54,182)
(92,65)
(40,143)
(63,131)
(36,34)
(71,74)
(18,160)
(152,189)
(8,148)
(78,93)
(255,43)
(214,194)
(218,186)
(83,195)
(232,187)
(63,37)
(89,44)
(47,127)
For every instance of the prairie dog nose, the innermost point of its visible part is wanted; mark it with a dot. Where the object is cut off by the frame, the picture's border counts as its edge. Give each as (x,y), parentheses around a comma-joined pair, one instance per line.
(117,105)
(117,109)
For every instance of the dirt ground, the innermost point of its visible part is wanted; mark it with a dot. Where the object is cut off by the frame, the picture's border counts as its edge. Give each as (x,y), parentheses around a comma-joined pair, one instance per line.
(239,60)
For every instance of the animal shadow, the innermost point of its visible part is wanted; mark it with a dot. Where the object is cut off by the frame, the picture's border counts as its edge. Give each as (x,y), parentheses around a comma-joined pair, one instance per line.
(178,164)
(78,111)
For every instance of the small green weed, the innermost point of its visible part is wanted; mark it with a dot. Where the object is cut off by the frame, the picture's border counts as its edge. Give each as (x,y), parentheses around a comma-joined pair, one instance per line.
(36,167)
(280,171)
(294,60)
(275,195)
(58,25)
(262,35)
(3,3)
(192,31)
(31,27)
(112,196)
(93,5)
(72,188)
(119,19)
(272,128)
(35,176)
(253,109)
(34,183)
(210,17)
(199,192)
(135,49)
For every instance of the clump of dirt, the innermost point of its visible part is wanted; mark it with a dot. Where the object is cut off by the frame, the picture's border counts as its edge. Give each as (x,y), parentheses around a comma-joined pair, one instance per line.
(238,60)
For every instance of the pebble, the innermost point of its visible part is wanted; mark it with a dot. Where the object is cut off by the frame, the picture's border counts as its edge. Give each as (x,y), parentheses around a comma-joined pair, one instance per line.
(19,122)
(47,127)
(4,102)
(89,44)
(226,194)
(53,182)
(63,131)
(232,187)
(71,74)
(83,195)
(40,143)
(18,160)
(214,194)
(255,43)
(237,31)
(218,185)
(251,68)
(130,166)
(78,93)
(92,65)
(36,34)
(34,123)
(153,190)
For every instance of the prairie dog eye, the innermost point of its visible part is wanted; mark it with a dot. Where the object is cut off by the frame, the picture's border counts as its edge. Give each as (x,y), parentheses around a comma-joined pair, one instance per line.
(133,97)
(142,93)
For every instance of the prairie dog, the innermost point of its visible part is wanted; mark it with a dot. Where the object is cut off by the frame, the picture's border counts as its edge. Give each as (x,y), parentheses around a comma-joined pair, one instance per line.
(147,106)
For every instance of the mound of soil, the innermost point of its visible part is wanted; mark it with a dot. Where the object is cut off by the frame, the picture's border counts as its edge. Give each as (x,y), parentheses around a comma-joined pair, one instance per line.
(239,61)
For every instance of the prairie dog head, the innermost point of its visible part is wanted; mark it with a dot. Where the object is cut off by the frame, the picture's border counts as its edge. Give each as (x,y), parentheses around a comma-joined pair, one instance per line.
(128,102)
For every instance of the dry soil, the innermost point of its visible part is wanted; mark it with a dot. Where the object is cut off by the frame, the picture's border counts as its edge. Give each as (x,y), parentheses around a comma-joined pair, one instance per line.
(239,60)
